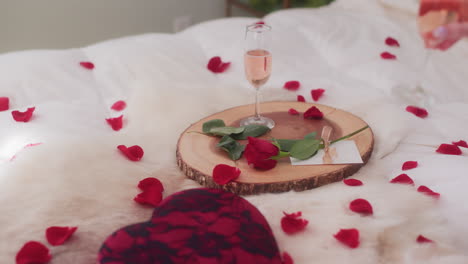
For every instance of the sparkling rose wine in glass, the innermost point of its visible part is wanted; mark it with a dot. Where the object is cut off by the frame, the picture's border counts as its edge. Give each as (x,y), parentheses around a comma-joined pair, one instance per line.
(436,13)
(257,66)
(257,60)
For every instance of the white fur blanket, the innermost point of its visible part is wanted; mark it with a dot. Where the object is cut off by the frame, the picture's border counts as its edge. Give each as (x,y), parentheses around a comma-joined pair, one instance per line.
(78,178)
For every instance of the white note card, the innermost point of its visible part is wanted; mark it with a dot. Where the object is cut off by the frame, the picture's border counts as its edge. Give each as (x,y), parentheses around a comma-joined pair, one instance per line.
(346,153)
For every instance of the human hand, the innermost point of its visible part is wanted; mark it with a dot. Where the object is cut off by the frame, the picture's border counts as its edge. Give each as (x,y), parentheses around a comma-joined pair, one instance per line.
(445,36)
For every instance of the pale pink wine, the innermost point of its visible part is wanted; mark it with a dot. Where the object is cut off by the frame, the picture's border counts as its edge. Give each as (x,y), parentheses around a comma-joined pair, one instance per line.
(257,66)
(436,13)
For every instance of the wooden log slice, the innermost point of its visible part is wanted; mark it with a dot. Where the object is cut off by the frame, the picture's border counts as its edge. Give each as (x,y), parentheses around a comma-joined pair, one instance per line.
(197,154)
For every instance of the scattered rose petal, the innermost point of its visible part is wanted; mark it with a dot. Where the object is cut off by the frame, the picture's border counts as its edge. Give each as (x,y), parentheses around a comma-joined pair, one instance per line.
(392,42)
(216,65)
(150,182)
(423,239)
(23,116)
(223,174)
(260,23)
(300,98)
(292,85)
(4,103)
(361,206)
(287,259)
(317,93)
(449,149)
(313,113)
(349,237)
(150,196)
(425,190)
(87,65)
(408,165)
(352,182)
(33,252)
(57,235)
(119,105)
(403,179)
(115,122)
(461,143)
(417,111)
(292,223)
(293,111)
(133,153)
(387,56)
(258,153)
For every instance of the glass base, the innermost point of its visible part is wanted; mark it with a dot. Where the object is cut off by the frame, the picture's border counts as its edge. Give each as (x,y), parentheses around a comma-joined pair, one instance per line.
(416,96)
(260,120)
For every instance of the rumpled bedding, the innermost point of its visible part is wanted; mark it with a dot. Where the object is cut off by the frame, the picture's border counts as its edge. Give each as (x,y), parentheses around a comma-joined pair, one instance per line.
(77,177)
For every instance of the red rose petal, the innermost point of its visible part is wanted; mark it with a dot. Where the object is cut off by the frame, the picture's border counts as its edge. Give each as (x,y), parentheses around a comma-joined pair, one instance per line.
(115,122)
(287,259)
(292,223)
(313,113)
(361,206)
(87,65)
(300,98)
(216,65)
(292,85)
(293,111)
(417,111)
(387,56)
(403,179)
(408,165)
(392,42)
(461,143)
(4,103)
(449,149)
(423,239)
(260,23)
(425,190)
(223,174)
(119,105)
(317,93)
(150,182)
(133,153)
(150,196)
(352,182)
(23,116)
(349,237)
(57,235)
(33,252)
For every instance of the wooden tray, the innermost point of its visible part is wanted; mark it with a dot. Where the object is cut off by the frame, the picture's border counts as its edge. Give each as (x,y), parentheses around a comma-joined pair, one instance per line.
(197,154)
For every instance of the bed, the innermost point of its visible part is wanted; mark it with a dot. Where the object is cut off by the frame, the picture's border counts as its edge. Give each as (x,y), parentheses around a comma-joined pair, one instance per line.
(76,176)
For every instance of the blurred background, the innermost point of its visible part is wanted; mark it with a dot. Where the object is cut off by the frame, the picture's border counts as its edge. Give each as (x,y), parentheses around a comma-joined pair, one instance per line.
(59,24)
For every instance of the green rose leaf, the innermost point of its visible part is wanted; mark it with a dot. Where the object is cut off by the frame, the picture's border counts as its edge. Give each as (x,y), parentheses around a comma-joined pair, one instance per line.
(232,147)
(225,141)
(286,144)
(207,126)
(304,149)
(226,131)
(311,135)
(252,131)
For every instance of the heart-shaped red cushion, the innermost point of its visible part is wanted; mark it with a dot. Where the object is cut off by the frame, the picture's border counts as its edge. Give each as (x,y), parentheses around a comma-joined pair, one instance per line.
(196,226)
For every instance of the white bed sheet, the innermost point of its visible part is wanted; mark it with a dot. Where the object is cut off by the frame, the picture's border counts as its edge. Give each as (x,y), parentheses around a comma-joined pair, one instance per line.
(77,178)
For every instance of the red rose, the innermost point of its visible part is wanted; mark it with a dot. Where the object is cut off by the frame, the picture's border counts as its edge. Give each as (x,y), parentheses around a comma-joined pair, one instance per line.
(258,153)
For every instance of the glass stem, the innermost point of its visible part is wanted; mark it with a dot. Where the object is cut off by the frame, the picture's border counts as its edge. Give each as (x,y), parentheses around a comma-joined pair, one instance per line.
(257,103)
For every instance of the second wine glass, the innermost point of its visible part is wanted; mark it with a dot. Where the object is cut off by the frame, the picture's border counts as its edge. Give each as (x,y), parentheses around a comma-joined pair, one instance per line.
(257,60)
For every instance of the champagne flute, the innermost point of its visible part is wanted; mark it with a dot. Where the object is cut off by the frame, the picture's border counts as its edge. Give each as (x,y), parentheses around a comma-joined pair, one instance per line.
(432,15)
(257,62)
